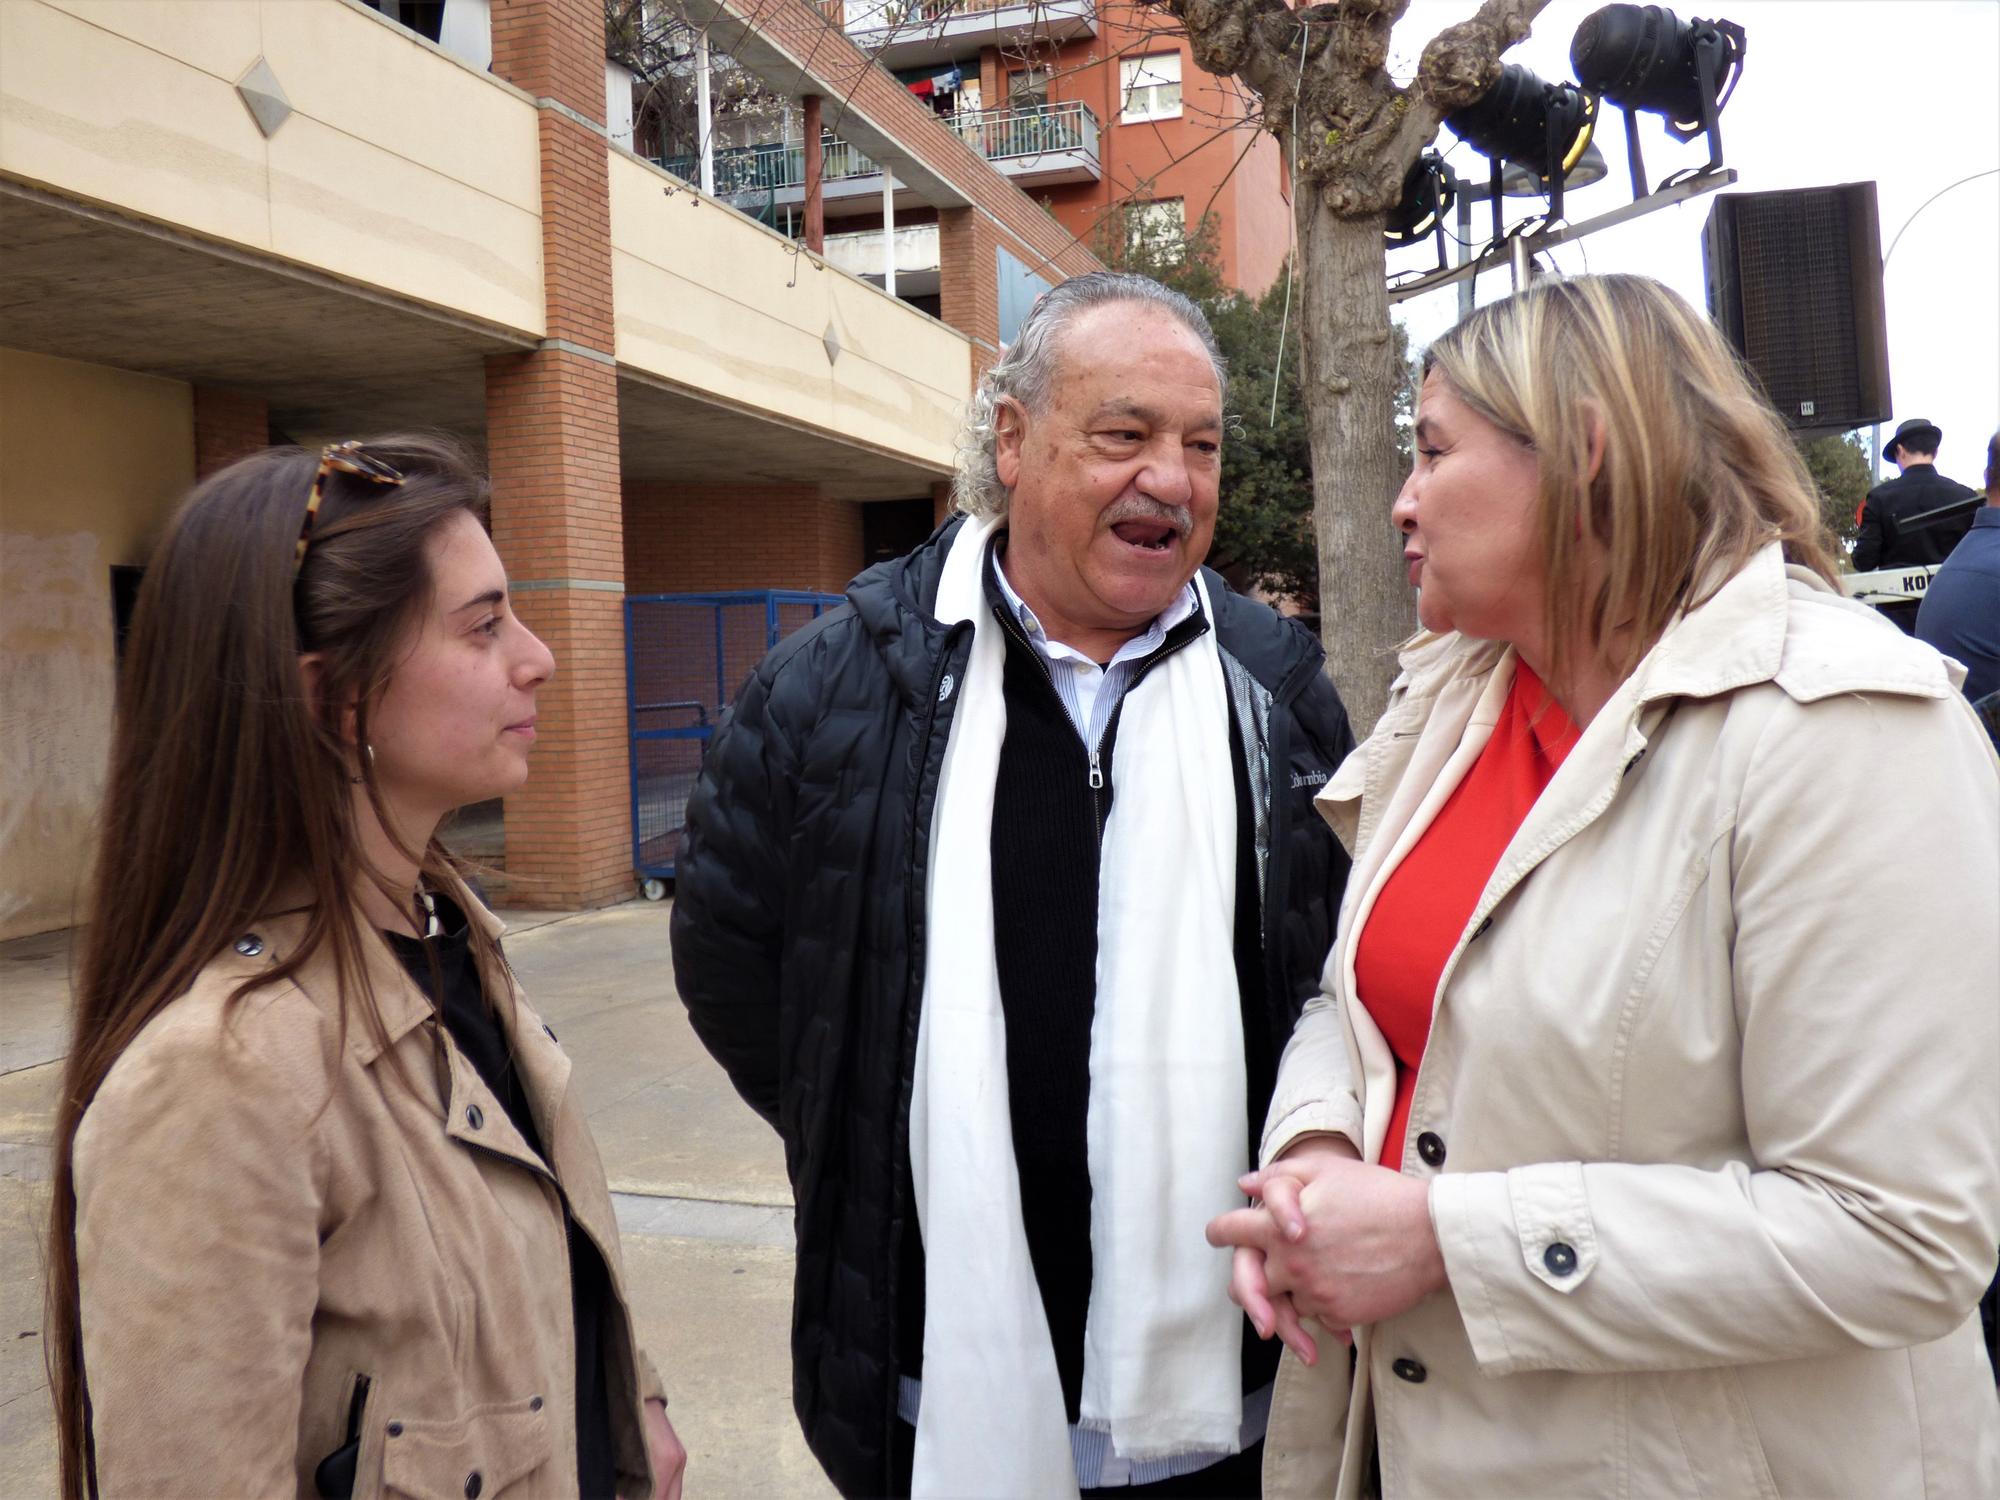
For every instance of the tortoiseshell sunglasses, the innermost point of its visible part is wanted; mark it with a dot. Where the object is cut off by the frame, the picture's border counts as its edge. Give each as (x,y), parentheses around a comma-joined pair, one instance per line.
(339,458)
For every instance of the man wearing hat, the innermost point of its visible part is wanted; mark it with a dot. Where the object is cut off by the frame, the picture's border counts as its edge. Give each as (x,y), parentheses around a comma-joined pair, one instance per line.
(1885,539)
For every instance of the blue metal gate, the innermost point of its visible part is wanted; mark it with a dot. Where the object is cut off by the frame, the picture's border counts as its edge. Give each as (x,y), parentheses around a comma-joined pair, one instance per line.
(685,654)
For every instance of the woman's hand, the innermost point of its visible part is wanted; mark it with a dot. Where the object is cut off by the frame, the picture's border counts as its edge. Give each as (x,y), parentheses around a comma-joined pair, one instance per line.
(1342,1242)
(669,1457)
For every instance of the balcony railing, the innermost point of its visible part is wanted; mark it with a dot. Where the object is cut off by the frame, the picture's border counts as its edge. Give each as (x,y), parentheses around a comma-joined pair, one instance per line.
(1032,130)
(1002,136)
(876,15)
(772,166)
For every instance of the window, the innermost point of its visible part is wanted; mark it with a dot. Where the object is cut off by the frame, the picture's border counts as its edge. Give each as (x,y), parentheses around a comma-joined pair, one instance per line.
(1156,233)
(1151,87)
(1028,88)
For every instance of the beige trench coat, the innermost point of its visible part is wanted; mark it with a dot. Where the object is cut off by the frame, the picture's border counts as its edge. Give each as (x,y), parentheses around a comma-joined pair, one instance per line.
(1715,1070)
(267,1215)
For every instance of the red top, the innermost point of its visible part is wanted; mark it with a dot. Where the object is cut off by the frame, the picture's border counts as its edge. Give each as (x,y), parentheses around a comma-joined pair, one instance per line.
(1430,896)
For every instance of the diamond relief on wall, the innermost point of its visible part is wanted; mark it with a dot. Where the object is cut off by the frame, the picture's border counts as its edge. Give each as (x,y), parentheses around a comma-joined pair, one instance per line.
(831,339)
(265,96)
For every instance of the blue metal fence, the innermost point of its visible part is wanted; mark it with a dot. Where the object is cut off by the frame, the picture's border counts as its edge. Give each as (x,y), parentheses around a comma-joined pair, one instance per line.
(685,655)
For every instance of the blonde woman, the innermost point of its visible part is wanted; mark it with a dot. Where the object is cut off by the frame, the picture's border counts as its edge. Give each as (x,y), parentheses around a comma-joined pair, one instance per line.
(1645,1138)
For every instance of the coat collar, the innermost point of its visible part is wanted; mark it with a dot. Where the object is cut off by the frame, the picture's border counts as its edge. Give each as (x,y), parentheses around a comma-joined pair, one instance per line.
(1767,622)
(400,1002)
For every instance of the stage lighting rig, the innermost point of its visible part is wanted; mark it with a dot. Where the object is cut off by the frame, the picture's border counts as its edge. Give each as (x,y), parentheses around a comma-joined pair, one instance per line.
(1428,193)
(1543,128)
(1642,57)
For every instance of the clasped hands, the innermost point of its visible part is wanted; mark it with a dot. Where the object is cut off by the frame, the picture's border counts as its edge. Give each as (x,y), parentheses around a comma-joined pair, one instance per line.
(1332,1239)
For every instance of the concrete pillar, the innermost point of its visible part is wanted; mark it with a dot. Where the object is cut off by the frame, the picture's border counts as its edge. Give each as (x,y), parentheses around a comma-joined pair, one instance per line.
(552,428)
(815,178)
(888,231)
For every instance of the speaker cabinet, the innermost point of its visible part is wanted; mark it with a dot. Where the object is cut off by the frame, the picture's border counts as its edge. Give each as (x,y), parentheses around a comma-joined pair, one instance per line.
(1795,283)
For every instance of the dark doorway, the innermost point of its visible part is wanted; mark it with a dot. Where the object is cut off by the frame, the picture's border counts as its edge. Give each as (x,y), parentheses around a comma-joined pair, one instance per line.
(889,528)
(124,599)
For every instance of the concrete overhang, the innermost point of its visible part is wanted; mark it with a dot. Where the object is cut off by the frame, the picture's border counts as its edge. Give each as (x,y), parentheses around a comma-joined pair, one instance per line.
(730,31)
(85,282)
(331,358)
(672,434)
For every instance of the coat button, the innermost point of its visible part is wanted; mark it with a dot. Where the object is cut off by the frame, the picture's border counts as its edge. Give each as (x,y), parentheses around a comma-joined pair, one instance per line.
(395,1429)
(1559,1258)
(536,1404)
(473,1485)
(474,1116)
(1410,1370)
(250,945)
(1430,1146)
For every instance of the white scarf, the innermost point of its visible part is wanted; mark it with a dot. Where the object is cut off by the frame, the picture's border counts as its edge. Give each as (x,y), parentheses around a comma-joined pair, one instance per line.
(1167,1123)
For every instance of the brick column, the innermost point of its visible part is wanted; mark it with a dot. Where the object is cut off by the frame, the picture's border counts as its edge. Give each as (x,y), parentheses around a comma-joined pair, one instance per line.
(552,434)
(815,184)
(228,425)
(969,281)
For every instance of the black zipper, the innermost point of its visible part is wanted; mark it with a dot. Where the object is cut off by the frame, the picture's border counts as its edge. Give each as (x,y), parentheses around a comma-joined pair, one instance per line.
(1100,797)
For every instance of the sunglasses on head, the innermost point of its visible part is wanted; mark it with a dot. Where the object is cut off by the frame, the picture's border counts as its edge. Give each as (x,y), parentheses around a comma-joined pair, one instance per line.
(340,458)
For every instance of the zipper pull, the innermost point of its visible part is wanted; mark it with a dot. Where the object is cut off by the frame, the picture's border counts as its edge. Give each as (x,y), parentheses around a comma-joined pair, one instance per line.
(1096,774)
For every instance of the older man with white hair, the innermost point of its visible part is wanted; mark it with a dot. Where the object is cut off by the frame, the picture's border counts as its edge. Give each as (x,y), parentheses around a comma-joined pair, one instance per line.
(1001,890)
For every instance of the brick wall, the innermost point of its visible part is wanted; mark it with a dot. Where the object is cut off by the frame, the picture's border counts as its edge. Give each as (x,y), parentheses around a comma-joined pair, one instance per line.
(227,426)
(552,424)
(553,450)
(968,281)
(553,49)
(682,539)
(576,233)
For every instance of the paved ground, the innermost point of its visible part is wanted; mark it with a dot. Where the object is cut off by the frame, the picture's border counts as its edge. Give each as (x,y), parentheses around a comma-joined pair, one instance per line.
(699,1183)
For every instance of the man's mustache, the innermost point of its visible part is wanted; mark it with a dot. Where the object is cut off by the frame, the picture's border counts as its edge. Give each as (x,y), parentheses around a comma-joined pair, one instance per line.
(1140,508)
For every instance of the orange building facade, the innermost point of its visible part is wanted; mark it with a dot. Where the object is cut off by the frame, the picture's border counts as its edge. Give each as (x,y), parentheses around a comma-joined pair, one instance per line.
(1089,108)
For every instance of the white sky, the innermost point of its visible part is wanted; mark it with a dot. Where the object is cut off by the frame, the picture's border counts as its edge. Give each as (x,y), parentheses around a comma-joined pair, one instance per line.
(1900,92)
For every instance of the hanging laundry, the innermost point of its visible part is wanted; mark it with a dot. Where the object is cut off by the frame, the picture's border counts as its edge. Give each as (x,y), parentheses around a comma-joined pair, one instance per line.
(948,82)
(923,88)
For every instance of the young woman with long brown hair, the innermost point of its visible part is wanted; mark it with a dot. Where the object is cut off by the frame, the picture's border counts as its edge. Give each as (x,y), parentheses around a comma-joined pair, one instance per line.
(327,1217)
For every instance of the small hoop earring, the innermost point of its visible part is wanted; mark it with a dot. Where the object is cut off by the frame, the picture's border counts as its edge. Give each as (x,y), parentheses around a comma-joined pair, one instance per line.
(369,751)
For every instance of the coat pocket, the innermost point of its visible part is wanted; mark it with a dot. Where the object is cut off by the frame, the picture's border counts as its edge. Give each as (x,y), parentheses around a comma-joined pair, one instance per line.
(475,1457)
(334,1476)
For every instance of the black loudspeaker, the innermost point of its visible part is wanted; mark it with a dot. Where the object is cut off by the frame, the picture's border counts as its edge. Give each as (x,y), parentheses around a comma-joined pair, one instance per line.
(1795,283)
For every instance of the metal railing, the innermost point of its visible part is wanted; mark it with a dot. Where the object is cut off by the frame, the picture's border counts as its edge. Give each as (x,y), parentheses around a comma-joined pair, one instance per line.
(881,15)
(772,166)
(1028,130)
(996,134)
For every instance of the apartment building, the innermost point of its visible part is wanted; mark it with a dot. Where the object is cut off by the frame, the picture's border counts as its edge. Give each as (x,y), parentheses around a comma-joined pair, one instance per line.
(1094,108)
(230,222)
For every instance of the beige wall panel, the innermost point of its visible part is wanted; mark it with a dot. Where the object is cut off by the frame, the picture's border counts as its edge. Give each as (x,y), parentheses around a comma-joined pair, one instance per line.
(715,303)
(896,335)
(394,93)
(98,116)
(398,168)
(217,36)
(359,212)
(96,459)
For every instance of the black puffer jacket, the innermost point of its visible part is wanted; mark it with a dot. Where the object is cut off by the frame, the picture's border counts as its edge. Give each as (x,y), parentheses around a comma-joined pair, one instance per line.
(798,929)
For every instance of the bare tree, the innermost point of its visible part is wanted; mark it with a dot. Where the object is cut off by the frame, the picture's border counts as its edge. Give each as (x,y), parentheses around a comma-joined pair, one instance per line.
(1351,134)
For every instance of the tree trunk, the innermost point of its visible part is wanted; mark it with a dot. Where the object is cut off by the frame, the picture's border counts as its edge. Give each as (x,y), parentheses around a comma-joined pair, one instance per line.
(1350,378)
